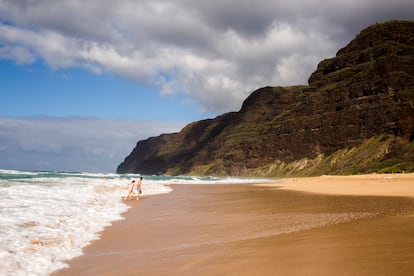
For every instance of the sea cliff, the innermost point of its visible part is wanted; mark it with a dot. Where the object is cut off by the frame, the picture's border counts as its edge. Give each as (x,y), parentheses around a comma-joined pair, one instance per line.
(356,115)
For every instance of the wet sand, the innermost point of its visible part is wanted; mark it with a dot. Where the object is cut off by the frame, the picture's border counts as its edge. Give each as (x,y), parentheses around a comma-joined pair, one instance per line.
(256,230)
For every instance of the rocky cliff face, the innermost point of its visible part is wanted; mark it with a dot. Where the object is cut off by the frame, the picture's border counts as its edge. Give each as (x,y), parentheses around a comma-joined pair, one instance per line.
(365,91)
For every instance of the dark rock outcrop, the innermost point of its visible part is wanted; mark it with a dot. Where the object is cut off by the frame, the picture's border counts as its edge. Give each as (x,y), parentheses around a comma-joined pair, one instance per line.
(367,90)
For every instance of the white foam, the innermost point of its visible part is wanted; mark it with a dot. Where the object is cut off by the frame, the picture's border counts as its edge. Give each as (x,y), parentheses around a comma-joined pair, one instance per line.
(17,172)
(48,218)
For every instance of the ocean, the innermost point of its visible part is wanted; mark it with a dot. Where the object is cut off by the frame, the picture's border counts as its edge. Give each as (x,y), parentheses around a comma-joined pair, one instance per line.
(47,218)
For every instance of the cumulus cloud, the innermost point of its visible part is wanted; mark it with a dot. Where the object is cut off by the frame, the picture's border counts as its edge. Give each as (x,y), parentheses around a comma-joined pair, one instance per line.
(216,52)
(72,144)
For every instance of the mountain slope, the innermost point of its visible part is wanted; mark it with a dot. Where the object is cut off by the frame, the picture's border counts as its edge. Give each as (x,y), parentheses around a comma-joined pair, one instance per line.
(362,96)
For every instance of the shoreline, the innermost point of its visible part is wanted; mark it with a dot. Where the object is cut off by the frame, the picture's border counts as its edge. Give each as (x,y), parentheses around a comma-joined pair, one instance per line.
(280,228)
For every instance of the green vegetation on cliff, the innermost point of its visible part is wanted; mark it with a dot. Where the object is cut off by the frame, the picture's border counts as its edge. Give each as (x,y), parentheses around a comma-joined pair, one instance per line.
(355,116)
(380,154)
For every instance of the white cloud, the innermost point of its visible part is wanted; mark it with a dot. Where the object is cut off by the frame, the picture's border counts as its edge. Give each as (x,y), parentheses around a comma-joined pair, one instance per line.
(217,52)
(18,54)
(75,144)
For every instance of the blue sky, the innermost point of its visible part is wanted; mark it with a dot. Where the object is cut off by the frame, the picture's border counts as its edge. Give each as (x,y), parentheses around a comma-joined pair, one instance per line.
(50,101)
(82,81)
(37,90)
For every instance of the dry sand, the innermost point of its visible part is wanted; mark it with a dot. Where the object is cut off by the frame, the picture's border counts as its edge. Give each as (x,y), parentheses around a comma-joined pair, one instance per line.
(263,230)
(368,184)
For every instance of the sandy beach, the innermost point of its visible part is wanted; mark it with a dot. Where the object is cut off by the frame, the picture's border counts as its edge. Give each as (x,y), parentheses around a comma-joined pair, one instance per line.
(367,184)
(329,225)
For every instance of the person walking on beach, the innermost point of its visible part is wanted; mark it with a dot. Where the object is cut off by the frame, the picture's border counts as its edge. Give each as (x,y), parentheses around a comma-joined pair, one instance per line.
(139,187)
(131,187)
